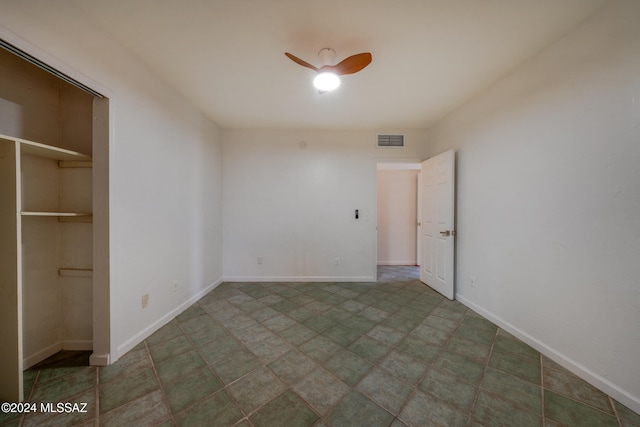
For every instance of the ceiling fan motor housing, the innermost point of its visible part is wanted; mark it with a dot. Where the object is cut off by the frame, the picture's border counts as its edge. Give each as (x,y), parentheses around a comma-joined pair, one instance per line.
(327,56)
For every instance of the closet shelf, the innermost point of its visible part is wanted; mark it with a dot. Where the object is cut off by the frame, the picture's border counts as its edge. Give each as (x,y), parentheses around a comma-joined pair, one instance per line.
(58,214)
(76,272)
(48,151)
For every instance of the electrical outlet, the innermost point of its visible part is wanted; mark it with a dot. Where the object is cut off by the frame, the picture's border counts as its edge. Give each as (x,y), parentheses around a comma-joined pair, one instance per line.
(175,286)
(145,300)
(472,280)
(337,260)
(260,260)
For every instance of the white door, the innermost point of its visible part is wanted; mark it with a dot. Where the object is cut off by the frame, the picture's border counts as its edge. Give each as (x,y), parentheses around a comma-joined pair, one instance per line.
(437,223)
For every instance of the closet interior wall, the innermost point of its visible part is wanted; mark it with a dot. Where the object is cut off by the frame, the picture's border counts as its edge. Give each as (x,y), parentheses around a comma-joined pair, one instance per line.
(55,254)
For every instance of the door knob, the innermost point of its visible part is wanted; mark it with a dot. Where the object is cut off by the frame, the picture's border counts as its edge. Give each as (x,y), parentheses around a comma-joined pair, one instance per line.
(445,233)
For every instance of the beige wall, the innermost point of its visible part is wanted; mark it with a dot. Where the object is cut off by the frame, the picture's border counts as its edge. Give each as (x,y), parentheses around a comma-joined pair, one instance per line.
(548,200)
(290,197)
(165,170)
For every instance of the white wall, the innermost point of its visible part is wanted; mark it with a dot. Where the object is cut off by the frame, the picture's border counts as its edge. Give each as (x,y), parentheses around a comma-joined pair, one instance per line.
(397,216)
(290,197)
(165,169)
(548,216)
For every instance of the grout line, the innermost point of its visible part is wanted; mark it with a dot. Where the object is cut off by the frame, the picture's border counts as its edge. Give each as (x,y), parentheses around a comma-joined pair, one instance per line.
(544,421)
(97,392)
(484,372)
(615,410)
(165,398)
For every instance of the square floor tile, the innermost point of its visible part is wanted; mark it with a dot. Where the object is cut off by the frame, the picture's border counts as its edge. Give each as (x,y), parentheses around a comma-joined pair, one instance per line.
(209,332)
(148,409)
(449,388)
(369,348)
(569,385)
(279,323)
(440,323)
(385,389)
(386,335)
(469,348)
(298,334)
(404,366)
(270,348)
(571,413)
(40,418)
(286,410)
(402,323)
(253,334)
(523,393)
(342,335)
(190,388)
(628,418)
(165,350)
(483,336)
(422,410)
(321,389)
(522,368)
(476,321)
(132,361)
(171,369)
(219,349)
(464,367)
(320,348)
(292,366)
(126,388)
(256,389)
(509,344)
(348,366)
(168,332)
(61,388)
(192,324)
(430,335)
(356,410)
(419,349)
(494,410)
(264,314)
(238,364)
(319,323)
(217,411)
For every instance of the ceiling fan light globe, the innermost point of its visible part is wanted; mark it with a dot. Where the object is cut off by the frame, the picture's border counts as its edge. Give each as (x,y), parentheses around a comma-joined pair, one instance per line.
(326,81)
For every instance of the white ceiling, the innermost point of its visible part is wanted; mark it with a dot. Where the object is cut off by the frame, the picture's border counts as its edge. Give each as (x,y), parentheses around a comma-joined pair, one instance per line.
(429,56)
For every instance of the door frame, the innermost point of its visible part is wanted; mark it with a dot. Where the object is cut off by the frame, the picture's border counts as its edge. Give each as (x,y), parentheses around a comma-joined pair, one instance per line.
(102,144)
(412,163)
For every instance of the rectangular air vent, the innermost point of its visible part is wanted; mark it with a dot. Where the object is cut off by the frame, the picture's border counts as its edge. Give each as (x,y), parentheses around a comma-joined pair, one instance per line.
(390,141)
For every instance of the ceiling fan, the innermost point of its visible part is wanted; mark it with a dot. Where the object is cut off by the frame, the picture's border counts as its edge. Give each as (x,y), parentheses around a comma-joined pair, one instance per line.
(327,78)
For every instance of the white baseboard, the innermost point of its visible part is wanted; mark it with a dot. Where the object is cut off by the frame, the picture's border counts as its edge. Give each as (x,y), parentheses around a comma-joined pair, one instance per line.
(71,345)
(408,262)
(146,332)
(299,279)
(606,386)
(100,359)
(40,355)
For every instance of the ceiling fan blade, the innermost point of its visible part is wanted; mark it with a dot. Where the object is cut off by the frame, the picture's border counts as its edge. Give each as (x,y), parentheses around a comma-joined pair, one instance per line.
(352,64)
(300,61)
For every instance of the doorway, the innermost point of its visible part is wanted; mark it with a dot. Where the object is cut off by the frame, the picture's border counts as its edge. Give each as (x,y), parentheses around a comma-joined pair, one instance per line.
(57,130)
(397,214)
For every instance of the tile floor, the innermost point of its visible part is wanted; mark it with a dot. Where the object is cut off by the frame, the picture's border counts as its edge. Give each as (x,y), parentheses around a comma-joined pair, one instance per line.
(391,353)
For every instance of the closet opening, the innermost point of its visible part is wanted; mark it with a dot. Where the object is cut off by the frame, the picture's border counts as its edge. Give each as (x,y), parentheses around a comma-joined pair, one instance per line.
(54,217)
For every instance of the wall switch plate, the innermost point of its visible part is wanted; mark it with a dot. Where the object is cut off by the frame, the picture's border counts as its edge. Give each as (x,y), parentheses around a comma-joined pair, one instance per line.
(145,300)
(260,260)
